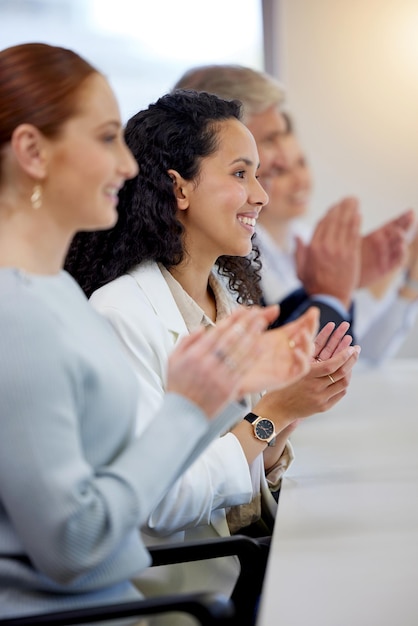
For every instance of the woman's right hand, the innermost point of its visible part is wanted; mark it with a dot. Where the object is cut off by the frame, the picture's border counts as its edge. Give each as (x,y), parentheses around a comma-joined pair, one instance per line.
(285,354)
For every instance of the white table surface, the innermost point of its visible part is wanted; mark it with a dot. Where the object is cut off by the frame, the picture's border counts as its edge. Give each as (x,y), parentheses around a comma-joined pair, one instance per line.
(345,544)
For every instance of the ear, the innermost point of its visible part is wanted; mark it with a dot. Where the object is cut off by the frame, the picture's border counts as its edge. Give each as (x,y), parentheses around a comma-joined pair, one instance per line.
(28,145)
(180,189)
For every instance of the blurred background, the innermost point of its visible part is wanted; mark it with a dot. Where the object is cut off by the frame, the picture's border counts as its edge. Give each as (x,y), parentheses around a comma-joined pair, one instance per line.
(142,46)
(350,70)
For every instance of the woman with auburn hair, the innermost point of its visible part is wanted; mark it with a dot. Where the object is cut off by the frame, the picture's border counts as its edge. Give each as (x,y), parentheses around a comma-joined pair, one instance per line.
(75,483)
(181,256)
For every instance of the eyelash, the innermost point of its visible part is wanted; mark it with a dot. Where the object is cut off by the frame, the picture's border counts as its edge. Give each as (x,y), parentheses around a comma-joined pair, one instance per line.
(240,174)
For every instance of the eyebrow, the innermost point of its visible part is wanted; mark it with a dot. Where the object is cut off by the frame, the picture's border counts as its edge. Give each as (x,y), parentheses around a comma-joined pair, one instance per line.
(244,160)
(114,123)
(274,134)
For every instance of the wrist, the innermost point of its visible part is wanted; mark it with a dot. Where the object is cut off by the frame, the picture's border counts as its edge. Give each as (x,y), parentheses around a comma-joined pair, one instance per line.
(264,428)
(339,302)
(279,407)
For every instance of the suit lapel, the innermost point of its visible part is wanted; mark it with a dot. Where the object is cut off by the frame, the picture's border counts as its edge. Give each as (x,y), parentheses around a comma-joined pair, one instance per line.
(149,277)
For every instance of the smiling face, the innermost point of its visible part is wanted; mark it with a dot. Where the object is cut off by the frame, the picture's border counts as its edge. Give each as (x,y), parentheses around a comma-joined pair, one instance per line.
(88,162)
(291,187)
(219,209)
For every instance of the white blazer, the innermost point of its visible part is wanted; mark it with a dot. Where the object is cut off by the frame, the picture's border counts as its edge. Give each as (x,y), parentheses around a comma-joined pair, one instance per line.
(143,312)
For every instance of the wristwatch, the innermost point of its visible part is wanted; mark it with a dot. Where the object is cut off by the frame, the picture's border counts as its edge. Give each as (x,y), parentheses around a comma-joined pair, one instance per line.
(263,428)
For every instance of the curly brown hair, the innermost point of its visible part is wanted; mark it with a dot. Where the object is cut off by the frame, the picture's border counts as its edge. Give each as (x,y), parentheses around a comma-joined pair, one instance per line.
(176,132)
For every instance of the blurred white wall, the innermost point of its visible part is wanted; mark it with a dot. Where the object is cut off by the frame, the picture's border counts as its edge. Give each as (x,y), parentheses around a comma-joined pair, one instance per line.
(143,46)
(351,73)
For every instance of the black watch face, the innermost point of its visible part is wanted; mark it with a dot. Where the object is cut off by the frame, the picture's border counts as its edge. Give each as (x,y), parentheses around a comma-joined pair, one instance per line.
(264,429)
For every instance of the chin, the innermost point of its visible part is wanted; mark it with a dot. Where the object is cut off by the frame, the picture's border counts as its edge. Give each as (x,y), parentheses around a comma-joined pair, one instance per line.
(296,213)
(243,252)
(108,218)
(105,223)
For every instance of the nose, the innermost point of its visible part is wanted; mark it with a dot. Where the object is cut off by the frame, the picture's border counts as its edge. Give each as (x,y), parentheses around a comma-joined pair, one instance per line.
(128,165)
(279,160)
(258,195)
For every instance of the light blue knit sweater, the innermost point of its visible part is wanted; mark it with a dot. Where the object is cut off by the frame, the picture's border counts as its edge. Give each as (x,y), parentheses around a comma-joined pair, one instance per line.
(74,483)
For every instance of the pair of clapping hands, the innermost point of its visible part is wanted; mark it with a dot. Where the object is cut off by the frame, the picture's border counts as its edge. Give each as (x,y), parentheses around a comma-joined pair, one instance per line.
(240,356)
(338,259)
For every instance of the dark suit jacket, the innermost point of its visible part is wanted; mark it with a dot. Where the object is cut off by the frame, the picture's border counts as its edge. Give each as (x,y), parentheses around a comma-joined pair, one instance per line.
(299,301)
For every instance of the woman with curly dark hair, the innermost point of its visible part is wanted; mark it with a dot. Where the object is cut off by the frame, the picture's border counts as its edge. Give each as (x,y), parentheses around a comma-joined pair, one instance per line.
(181,256)
(157,233)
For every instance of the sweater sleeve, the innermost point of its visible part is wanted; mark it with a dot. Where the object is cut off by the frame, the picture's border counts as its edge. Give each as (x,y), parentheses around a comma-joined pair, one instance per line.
(72,515)
(388,329)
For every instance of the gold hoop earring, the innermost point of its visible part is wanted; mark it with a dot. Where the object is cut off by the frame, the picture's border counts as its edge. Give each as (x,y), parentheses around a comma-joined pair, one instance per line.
(36,197)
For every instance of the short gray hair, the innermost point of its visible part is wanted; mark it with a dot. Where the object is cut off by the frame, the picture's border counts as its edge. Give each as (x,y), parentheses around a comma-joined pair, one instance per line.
(256,90)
